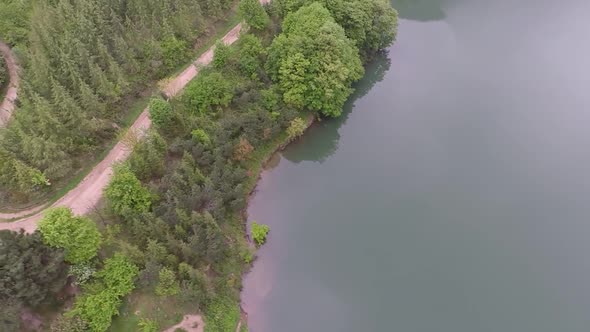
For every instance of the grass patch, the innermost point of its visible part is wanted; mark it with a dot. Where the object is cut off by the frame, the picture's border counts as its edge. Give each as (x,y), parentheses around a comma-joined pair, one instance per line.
(165,311)
(222,315)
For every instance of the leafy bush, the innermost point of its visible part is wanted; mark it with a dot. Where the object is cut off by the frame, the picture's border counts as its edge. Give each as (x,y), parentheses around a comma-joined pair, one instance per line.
(82,272)
(77,235)
(254,14)
(126,194)
(221,55)
(296,128)
(102,301)
(259,233)
(160,112)
(206,91)
(167,283)
(201,136)
(175,51)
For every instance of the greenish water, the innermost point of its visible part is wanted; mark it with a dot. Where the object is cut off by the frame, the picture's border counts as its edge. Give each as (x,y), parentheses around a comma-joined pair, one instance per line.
(453,195)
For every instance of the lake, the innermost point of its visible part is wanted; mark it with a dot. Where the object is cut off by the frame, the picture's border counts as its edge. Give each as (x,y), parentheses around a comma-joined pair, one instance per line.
(453,195)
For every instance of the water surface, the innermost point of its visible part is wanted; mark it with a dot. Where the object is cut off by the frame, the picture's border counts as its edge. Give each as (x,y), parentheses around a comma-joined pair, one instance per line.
(454,193)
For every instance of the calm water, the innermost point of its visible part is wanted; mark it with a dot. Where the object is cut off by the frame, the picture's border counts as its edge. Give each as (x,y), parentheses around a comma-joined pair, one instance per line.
(453,196)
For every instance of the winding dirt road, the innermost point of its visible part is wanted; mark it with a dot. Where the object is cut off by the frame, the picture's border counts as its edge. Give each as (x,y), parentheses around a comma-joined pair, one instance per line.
(86,195)
(8,103)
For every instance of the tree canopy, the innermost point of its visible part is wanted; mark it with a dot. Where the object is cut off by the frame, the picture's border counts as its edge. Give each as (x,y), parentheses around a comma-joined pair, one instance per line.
(126,194)
(253,13)
(313,61)
(77,235)
(31,271)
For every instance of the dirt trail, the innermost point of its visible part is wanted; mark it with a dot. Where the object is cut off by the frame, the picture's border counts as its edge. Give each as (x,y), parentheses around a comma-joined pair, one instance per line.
(190,323)
(8,103)
(86,195)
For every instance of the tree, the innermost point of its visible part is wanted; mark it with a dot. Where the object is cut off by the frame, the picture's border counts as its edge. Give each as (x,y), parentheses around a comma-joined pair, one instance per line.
(174,51)
(206,91)
(31,271)
(160,112)
(221,55)
(167,283)
(313,61)
(250,52)
(126,194)
(101,303)
(372,24)
(77,235)
(254,14)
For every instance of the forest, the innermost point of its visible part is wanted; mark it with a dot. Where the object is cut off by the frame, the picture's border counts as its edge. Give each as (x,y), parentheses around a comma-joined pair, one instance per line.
(170,237)
(83,61)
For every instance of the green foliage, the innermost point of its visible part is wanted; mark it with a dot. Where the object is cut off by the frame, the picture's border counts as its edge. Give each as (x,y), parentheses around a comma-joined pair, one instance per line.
(222,316)
(250,52)
(69,324)
(201,136)
(147,159)
(372,24)
(259,233)
(206,91)
(221,55)
(160,112)
(167,283)
(21,178)
(30,271)
(97,309)
(10,316)
(102,302)
(80,59)
(82,272)
(77,235)
(175,51)
(253,13)
(313,61)
(14,20)
(148,325)
(296,128)
(118,274)
(126,194)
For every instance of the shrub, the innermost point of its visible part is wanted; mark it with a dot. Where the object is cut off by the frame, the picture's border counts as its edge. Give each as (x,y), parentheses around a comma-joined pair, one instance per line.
(201,136)
(148,325)
(167,284)
(160,112)
(206,91)
(77,235)
(259,233)
(296,128)
(221,55)
(126,193)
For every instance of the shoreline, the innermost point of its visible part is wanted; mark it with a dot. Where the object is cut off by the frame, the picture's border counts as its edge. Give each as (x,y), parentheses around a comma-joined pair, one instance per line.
(280,146)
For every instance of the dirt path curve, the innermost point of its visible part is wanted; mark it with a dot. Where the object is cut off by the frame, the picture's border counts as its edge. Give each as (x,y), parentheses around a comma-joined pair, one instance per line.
(8,103)
(86,195)
(190,323)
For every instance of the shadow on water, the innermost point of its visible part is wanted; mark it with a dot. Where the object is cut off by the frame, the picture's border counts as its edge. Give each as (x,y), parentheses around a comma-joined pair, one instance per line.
(321,140)
(419,10)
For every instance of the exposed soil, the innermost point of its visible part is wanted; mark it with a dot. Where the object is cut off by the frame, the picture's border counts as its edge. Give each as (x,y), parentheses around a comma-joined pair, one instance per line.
(190,323)
(8,103)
